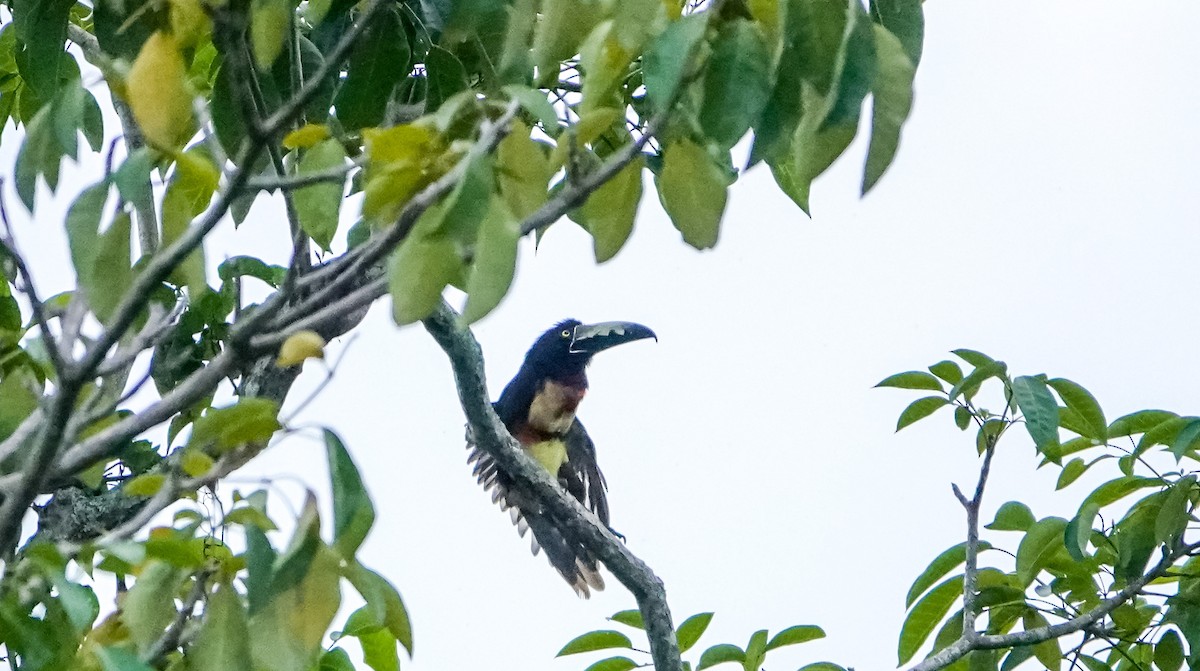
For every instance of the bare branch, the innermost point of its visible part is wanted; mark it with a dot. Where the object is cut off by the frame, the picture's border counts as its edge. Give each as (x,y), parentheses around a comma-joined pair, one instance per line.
(575,520)
(293,182)
(9,244)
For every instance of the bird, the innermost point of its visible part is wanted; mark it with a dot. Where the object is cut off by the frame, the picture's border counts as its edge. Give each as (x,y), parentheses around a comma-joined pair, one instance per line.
(538,408)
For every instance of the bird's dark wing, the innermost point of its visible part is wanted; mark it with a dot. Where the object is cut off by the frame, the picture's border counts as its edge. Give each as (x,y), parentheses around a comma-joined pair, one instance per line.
(574,562)
(582,474)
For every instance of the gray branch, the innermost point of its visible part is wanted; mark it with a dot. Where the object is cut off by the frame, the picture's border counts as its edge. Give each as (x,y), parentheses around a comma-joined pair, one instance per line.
(573,519)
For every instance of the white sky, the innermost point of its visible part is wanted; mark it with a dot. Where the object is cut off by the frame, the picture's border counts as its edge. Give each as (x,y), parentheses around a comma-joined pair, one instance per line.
(1042,209)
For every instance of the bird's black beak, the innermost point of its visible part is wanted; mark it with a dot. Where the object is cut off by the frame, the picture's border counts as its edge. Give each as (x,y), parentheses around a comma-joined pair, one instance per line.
(593,338)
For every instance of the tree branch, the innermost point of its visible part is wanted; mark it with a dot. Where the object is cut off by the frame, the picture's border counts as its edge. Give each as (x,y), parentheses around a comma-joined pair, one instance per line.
(573,519)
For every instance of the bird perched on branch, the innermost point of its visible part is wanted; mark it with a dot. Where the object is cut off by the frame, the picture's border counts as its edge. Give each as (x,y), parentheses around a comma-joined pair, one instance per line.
(538,407)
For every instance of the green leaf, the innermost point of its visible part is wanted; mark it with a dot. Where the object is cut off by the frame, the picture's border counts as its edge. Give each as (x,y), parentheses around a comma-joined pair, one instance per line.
(119,659)
(1118,488)
(720,654)
(737,82)
(822,666)
(288,631)
(523,172)
(78,602)
(892,92)
(83,228)
(445,76)
(925,616)
(962,418)
(249,266)
(466,205)
(1176,511)
(223,642)
(146,484)
(1040,409)
(691,630)
(606,63)
(149,606)
(604,639)
(920,409)
(317,205)
(353,513)
(269,21)
(1071,472)
(111,270)
(802,633)
(613,664)
(1138,422)
(854,72)
(384,602)
(948,371)
(947,561)
(629,618)
(609,212)
(1186,439)
(668,57)
(692,189)
(1085,406)
(906,20)
(494,263)
(420,269)
(1168,652)
(41,27)
(558,35)
(250,420)
(913,379)
(536,103)
(973,357)
(756,650)
(379,650)
(336,659)
(1079,531)
(380,60)
(1048,652)
(40,154)
(192,185)
(1040,543)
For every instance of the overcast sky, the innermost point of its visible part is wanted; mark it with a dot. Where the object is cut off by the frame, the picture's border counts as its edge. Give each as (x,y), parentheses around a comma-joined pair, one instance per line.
(1042,209)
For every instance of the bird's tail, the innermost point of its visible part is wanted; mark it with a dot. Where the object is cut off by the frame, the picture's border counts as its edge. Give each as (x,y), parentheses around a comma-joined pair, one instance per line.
(575,563)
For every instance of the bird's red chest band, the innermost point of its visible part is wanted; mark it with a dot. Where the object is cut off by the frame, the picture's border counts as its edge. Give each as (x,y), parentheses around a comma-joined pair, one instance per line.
(553,408)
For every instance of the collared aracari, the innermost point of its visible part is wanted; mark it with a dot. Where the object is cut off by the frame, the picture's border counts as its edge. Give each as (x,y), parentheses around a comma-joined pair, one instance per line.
(538,408)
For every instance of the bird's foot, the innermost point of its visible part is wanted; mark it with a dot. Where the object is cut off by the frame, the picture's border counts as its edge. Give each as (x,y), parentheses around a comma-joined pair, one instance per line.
(618,534)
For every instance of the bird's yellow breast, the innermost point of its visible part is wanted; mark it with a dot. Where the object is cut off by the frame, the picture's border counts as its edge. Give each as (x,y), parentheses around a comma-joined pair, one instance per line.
(551,454)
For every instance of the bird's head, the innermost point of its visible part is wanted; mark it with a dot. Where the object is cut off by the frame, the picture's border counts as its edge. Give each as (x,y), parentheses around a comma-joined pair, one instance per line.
(568,346)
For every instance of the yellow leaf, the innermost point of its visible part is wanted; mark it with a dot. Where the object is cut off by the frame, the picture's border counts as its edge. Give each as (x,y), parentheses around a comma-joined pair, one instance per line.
(157,93)
(147,484)
(305,136)
(268,28)
(523,171)
(387,192)
(195,463)
(409,143)
(299,346)
(608,213)
(692,190)
(189,23)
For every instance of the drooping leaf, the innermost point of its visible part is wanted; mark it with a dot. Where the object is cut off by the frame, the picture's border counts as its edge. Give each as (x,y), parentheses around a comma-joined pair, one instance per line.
(223,642)
(384,601)
(692,189)
(737,83)
(191,188)
(157,93)
(667,59)
(1168,652)
(1040,409)
(83,228)
(420,269)
(494,263)
(606,61)
(111,271)
(563,27)
(609,212)
(353,512)
(149,606)
(289,629)
(906,20)
(1085,406)
(379,61)
(317,205)
(522,171)
(892,93)
(1079,532)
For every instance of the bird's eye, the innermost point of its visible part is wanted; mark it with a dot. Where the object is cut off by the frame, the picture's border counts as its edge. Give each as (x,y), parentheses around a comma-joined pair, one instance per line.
(566,333)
